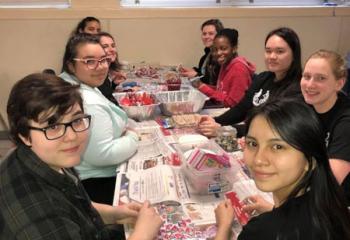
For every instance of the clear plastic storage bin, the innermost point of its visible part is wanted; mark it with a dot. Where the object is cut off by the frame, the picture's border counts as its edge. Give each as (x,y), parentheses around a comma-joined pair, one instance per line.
(208,181)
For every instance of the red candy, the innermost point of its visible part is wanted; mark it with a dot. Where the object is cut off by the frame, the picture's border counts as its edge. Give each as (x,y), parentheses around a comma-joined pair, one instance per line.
(133,99)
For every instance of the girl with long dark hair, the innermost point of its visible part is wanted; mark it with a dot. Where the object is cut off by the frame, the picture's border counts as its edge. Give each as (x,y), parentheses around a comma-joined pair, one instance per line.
(89,25)
(287,156)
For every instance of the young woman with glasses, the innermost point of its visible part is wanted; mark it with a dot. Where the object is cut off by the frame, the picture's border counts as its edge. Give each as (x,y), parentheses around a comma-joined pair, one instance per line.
(110,142)
(41,194)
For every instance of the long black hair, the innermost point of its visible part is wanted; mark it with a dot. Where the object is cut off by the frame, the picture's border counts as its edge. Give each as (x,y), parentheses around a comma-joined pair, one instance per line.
(82,24)
(298,125)
(294,73)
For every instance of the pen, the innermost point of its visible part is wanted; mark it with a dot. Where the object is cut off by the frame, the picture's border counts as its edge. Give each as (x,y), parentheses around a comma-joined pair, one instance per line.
(195,78)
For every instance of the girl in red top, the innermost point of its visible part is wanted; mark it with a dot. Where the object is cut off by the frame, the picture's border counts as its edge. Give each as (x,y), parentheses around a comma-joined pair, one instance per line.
(235,73)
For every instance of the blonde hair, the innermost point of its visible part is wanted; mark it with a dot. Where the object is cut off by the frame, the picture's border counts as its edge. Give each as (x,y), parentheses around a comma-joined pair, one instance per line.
(337,62)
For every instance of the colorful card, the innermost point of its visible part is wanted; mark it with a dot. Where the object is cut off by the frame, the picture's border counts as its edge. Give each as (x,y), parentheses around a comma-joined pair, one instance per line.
(242,216)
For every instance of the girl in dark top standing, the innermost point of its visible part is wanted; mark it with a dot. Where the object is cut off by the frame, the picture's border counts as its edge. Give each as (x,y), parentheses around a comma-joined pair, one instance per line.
(286,155)
(207,67)
(283,61)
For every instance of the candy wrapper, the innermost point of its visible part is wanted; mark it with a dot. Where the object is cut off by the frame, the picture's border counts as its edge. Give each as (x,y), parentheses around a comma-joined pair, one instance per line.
(242,216)
(177,226)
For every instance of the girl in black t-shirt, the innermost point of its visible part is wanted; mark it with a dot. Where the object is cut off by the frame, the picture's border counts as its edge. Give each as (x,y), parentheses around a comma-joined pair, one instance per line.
(286,155)
(323,78)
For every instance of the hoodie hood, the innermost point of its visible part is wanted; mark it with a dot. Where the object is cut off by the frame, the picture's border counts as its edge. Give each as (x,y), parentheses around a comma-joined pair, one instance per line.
(250,66)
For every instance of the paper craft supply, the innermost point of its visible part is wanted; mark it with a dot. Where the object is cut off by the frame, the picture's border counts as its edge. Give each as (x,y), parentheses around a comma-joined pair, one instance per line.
(202,160)
(242,216)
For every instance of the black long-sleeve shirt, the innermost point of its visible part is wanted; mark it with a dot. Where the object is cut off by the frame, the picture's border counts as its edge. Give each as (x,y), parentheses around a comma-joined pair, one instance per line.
(211,68)
(264,86)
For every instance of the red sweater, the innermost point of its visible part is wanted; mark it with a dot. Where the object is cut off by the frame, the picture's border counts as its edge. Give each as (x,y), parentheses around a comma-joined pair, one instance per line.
(233,81)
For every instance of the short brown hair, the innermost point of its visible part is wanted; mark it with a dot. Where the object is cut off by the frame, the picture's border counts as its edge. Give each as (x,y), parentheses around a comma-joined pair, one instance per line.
(215,22)
(36,94)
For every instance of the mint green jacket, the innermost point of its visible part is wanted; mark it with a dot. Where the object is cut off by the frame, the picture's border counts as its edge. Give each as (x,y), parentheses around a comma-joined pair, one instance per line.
(109,142)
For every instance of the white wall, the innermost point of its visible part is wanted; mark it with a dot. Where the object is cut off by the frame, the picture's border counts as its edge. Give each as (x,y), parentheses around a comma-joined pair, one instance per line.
(34,39)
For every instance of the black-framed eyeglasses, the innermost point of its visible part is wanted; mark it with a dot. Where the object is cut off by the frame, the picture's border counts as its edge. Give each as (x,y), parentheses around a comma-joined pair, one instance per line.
(57,130)
(92,63)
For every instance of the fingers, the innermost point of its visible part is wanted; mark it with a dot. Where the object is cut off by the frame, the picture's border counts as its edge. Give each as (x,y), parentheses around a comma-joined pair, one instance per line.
(251,204)
(149,218)
(131,210)
(204,118)
(146,204)
(207,121)
(148,222)
(197,118)
(208,127)
(147,211)
(224,214)
(135,206)
(224,205)
(257,203)
(249,208)
(252,198)
(207,131)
